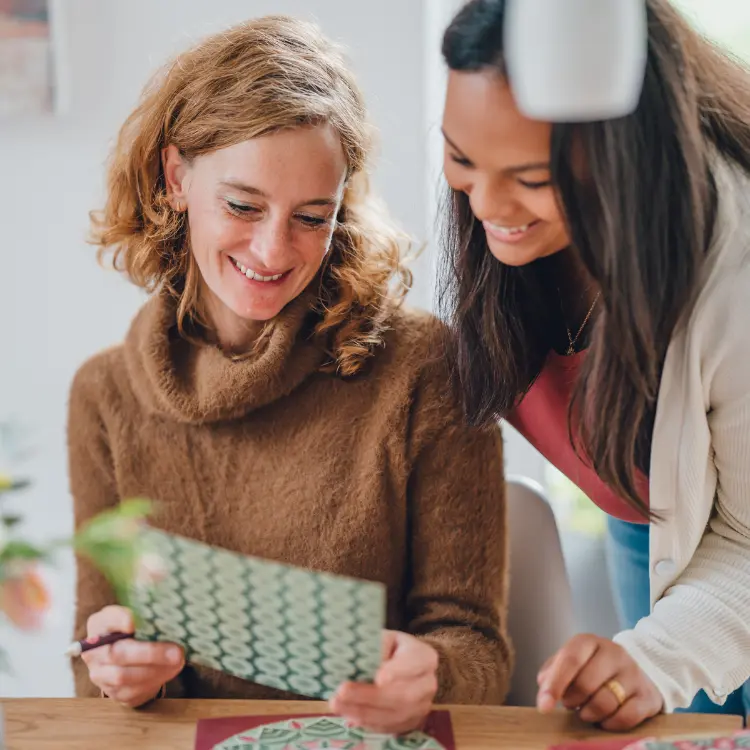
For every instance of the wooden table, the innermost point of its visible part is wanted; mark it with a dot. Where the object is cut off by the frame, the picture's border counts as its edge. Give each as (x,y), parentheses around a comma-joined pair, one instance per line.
(85,724)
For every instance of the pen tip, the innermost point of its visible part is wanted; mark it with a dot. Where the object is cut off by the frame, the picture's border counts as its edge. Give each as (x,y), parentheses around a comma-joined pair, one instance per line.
(73,650)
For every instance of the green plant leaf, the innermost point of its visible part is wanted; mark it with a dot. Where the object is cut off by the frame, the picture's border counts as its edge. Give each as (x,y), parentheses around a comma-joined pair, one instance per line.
(116,524)
(10,521)
(8,484)
(17,550)
(111,541)
(136,507)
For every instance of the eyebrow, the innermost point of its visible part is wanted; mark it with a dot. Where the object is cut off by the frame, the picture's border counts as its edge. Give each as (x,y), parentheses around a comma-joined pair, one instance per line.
(515,169)
(331,201)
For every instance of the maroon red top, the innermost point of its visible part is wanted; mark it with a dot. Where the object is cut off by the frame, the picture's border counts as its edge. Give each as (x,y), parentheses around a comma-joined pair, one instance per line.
(542,418)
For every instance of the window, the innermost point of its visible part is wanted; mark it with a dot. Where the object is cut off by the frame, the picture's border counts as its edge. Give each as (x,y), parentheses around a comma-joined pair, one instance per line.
(727,22)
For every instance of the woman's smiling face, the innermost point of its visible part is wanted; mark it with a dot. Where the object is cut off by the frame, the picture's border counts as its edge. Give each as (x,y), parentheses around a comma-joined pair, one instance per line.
(500,159)
(261,215)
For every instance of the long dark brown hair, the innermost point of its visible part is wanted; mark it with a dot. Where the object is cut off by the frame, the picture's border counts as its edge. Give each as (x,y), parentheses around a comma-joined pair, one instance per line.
(641,220)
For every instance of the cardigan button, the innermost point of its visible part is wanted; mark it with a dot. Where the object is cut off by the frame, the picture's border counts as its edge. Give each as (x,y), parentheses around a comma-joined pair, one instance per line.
(665,567)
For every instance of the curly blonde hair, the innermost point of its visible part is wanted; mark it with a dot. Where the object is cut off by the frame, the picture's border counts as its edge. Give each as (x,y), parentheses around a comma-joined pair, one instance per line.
(254,79)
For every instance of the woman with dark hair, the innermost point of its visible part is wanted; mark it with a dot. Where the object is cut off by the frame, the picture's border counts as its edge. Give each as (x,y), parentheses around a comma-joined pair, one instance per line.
(598,281)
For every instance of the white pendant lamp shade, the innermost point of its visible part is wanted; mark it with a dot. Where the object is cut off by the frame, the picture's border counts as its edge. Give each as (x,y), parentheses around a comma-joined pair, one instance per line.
(576,60)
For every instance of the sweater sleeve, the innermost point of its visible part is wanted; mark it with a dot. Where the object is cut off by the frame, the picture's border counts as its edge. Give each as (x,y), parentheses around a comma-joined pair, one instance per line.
(92,484)
(457,599)
(94,489)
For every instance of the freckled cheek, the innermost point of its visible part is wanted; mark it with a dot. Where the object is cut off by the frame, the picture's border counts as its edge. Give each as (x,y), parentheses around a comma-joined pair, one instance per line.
(234,239)
(211,232)
(230,236)
(312,249)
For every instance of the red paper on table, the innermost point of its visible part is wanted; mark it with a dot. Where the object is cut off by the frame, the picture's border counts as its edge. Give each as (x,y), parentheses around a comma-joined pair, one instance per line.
(718,742)
(608,744)
(308,732)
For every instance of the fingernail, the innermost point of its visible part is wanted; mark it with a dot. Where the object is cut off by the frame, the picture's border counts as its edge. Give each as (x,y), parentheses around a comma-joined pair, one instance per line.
(545,702)
(173,654)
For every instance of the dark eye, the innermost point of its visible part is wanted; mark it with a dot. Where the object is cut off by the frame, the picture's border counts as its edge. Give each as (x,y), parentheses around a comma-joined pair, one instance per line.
(535,185)
(241,209)
(462,160)
(312,221)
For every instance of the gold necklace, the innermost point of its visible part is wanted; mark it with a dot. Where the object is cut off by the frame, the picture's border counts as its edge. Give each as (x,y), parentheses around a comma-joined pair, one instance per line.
(572,340)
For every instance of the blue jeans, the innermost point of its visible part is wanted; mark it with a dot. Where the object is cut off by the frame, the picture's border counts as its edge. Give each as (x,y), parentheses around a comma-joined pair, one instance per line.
(627,557)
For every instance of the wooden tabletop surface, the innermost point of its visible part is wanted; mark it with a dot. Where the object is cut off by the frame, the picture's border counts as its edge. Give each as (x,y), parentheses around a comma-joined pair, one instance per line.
(100,724)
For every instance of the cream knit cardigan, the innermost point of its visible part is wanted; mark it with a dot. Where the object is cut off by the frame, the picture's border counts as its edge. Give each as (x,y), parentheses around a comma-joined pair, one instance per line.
(698,633)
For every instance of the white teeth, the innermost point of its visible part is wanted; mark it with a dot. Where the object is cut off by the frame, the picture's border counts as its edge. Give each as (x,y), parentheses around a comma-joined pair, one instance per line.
(250,274)
(509,231)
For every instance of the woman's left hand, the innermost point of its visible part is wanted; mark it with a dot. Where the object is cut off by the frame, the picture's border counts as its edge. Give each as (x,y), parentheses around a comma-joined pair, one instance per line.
(601,681)
(402,694)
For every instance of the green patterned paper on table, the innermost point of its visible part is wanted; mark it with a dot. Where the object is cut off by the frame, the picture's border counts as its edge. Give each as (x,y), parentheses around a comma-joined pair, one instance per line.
(262,621)
(316,733)
(323,733)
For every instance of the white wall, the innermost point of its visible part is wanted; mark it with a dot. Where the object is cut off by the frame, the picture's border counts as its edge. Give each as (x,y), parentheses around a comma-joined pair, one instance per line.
(57,307)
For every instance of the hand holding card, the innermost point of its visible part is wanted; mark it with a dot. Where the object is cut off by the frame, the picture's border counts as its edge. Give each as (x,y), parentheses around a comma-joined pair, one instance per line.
(269,623)
(402,694)
(129,671)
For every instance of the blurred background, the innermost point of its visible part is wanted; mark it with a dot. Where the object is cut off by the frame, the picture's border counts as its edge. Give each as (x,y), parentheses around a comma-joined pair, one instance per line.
(70,71)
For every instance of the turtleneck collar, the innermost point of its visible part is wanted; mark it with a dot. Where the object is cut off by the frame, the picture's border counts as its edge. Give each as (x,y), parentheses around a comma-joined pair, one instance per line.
(197,383)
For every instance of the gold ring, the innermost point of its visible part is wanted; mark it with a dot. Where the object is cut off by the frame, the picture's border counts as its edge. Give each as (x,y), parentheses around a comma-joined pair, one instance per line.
(617,690)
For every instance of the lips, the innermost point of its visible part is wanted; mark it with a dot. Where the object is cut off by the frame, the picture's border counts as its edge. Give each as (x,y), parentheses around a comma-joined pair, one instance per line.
(254,275)
(507,233)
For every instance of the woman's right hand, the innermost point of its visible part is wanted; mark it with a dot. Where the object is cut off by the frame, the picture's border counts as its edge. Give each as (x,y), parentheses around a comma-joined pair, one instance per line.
(129,671)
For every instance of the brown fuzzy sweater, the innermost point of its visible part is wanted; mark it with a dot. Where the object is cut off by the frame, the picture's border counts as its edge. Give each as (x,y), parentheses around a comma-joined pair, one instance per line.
(374,476)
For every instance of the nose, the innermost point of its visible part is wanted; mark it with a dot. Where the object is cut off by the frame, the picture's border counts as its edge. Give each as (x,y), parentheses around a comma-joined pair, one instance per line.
(490,201)
(271,241)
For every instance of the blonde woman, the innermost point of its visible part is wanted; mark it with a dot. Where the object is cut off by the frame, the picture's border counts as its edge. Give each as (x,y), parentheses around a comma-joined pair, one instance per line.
(272,394)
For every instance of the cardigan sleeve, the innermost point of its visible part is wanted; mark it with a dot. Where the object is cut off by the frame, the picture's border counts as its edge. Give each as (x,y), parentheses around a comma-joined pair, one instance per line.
(698,635)
(458,565)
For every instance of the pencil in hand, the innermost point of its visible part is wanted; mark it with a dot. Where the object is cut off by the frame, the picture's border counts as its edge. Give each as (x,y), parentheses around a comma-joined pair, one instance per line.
(95,641)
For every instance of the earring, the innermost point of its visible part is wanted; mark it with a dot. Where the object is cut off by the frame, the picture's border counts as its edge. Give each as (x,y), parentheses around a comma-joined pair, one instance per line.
(179,206)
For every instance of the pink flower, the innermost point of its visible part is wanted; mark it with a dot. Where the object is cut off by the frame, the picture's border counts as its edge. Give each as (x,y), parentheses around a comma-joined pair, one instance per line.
(126,528)
(725,743)
(150,569)
(24,598)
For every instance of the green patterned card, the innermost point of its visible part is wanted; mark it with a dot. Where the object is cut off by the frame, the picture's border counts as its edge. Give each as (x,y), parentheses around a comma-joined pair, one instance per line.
(274,624)
(316,733)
